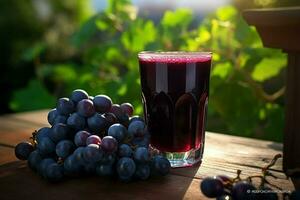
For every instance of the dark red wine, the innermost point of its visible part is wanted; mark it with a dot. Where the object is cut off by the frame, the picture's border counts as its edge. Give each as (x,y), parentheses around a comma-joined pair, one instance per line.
(175,89)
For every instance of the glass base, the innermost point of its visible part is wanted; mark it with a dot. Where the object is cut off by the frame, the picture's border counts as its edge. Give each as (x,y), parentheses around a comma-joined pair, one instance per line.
(184,159)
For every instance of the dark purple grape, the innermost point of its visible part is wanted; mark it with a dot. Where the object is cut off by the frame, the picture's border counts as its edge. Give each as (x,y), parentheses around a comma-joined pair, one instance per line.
(117,111)
(46,146)
(93,139)
(109,144)
(72,166)
(64,148)
(137,129)
(135,118)
(104,170)
(59,132)
(60,119)
(78,155)
(85,108)
(102,103)
(243,191)
(118,131)
(142,171)
(54,172)
(212,187)
(23,150)
(90,168)
(125,168)
(43,166)
(295,195)
(141,155)
(76,122)
(34,160)
(91,98)
(124,119)
(97,123)
(160,165)
(92,153)
(43,132)
(127,108)
(108,159)
(78,95)
(141,141)
(65,106)
(80,138)
(110,118)
(125,150)
(52,115)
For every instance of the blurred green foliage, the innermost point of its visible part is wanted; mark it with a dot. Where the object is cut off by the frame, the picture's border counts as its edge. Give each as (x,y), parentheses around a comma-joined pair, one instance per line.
(101,57)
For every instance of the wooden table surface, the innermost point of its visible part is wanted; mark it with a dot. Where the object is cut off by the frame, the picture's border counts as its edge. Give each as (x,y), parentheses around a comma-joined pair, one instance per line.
(223,154)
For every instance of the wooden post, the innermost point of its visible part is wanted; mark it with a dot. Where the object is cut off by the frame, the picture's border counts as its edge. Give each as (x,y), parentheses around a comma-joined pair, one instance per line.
(280,28)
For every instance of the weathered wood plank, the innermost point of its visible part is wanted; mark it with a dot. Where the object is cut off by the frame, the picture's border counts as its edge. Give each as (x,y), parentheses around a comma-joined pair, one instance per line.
(7,155)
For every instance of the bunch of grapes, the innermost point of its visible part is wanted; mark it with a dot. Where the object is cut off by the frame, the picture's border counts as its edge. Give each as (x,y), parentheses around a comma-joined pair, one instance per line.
(91,135)
(223,187)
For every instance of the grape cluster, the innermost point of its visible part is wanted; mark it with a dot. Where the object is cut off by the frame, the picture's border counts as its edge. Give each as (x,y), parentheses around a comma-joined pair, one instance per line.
(223,187)
(91,135)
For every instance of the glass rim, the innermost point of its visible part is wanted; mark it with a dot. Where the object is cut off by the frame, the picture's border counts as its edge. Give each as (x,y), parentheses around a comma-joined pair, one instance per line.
(174,53)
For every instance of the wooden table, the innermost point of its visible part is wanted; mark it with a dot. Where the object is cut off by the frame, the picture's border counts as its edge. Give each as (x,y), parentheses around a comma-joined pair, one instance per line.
(223,154)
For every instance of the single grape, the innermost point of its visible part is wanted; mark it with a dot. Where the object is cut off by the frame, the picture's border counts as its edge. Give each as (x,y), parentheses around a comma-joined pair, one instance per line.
(108,159)
(34,160)
(127,108)
(46,146)
(92,153)
(78,95)
(59,132)
(137,129)
(52,115)
(141,155)
(135,118)
(212,187)
(43,132)
(54,172)
(125,150)
(142,171)
(243,191)
(104,170)
(64,148)
(85,108)
(91,98)
(125,168)
(65,106)
(23,150)
(295,195)
(124,119)
(141,141)
(72,166)
(109,144)
(76,121)
(60,119)
(116,110)
(118,131)
(102,103)
(43,166)
(78,155)
(80,138)
(160,165)
(268,194)
(97,123)
(110,118)
(93,139)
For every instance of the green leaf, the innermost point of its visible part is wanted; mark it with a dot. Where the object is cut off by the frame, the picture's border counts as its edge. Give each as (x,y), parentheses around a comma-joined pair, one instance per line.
(222,70)
(268,68)
(180,17)
(34,96)
(226,13)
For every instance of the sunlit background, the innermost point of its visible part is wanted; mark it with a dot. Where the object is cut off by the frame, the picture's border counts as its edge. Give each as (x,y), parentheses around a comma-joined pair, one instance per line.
(50,47)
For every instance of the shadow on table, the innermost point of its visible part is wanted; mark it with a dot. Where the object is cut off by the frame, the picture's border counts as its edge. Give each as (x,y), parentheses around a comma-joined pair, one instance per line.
(17,181)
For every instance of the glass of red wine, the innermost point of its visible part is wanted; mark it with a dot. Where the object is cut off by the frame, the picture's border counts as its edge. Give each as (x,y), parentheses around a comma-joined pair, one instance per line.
(175,88)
